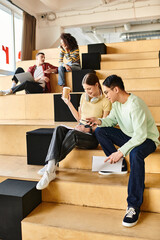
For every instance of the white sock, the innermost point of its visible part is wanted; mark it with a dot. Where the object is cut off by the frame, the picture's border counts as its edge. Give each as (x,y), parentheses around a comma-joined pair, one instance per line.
(51,166)
(13,84)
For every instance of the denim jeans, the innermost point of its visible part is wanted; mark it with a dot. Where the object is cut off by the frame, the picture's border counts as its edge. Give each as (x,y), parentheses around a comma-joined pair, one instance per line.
(64,140)
(61,73)
(107,137)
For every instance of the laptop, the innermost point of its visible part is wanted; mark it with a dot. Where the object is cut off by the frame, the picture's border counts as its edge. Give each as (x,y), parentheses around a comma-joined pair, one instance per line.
(25,76)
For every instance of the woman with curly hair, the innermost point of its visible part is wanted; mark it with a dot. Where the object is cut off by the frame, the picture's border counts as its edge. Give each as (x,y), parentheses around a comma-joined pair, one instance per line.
(69,50)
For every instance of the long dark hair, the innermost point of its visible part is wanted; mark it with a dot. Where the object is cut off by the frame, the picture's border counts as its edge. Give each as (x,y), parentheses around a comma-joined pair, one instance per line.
(69,41)
(91,79)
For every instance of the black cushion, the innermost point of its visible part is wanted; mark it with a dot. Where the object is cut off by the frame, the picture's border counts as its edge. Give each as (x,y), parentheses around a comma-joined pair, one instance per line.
(61,110)
(77,77)
(98,47)
(37,145)
(91,60)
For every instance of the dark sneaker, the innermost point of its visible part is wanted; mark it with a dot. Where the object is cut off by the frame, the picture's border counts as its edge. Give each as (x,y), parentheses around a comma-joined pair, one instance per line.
(131,217)
(123,170)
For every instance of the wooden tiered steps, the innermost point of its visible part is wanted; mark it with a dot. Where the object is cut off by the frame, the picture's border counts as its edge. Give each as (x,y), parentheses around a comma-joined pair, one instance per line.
(77,214)
(80,187)
(56,221)
(80,204)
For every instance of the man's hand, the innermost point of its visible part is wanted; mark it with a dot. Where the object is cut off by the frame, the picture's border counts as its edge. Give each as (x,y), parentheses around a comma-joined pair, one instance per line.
(67,67)
(46,79)
(114,157)
(93,121)
(50,70)
(82,128)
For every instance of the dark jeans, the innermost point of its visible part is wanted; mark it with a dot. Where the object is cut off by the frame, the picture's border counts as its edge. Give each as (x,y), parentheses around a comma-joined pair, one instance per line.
(64,140)
(18,70)
(107,137)
(29,87)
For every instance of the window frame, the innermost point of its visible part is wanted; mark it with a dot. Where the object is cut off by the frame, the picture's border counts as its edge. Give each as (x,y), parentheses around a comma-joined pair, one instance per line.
(15,12)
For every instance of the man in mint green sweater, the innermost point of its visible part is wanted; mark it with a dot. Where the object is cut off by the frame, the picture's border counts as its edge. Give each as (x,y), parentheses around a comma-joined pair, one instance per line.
(137,136)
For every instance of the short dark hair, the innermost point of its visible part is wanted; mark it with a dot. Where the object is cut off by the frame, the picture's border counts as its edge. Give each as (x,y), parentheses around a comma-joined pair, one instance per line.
(40,53)
(91,79)
(114,81)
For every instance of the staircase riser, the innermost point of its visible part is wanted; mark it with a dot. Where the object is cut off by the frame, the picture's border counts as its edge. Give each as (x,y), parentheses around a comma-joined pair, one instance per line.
(13,142)
(95,195)
(48,233)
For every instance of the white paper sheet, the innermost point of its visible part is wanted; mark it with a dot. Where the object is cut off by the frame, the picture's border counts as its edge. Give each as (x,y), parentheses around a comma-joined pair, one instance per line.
(67,126)
(98,164)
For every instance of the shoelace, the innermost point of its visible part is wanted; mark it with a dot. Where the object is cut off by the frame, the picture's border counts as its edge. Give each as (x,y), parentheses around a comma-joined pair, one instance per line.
(130,212)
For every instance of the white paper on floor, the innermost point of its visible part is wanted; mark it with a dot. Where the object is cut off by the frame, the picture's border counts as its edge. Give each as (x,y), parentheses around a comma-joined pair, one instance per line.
(98,164)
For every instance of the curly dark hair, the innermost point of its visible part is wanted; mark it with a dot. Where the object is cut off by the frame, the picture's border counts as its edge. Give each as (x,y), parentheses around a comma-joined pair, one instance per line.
(69,41)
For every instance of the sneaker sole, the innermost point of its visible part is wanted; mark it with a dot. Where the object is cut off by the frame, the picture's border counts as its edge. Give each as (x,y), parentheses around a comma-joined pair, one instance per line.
(129,224)
(119,173)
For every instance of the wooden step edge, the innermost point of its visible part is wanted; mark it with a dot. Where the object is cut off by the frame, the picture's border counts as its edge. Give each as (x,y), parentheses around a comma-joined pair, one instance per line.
(36,122)
(16,167)
(118,61)
(23,122)
(48,221)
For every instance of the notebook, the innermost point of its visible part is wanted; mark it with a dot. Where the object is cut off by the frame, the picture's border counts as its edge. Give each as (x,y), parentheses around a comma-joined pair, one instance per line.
(25,76)
(98,164)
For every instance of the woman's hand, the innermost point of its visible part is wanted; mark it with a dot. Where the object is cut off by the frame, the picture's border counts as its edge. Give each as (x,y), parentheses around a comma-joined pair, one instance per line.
(82,128)
(67,67)
(67,101)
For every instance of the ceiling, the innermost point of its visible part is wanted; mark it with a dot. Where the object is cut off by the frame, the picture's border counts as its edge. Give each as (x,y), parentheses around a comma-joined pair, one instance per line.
(41,6)
(100,31)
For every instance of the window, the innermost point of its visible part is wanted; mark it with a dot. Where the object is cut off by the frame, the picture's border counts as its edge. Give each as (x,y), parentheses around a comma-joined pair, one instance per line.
(10,38)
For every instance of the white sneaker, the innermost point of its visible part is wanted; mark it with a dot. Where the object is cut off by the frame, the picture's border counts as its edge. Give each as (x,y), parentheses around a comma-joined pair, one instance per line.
(9,93)
(45,180)
(2,93)
(42,170)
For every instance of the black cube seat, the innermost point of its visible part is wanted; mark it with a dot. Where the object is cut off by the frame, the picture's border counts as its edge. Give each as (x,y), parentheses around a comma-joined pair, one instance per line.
(77,77)
(91,60)
(97,47)
(17,199)
(61,110)
(37,145)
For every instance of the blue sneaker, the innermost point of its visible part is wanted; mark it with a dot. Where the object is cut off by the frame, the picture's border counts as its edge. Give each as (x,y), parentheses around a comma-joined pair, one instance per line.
(131,217)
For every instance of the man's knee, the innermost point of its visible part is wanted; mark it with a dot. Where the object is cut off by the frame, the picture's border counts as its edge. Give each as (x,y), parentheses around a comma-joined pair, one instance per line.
(136,155)
(98,131)
(102,130)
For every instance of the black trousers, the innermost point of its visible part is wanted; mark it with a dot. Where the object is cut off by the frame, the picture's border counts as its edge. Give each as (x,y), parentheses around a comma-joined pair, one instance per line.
(64,140)
(18,70)
(29,87)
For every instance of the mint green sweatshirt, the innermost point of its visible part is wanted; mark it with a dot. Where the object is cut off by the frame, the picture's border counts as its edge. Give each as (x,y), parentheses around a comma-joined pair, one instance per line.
(135,120)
